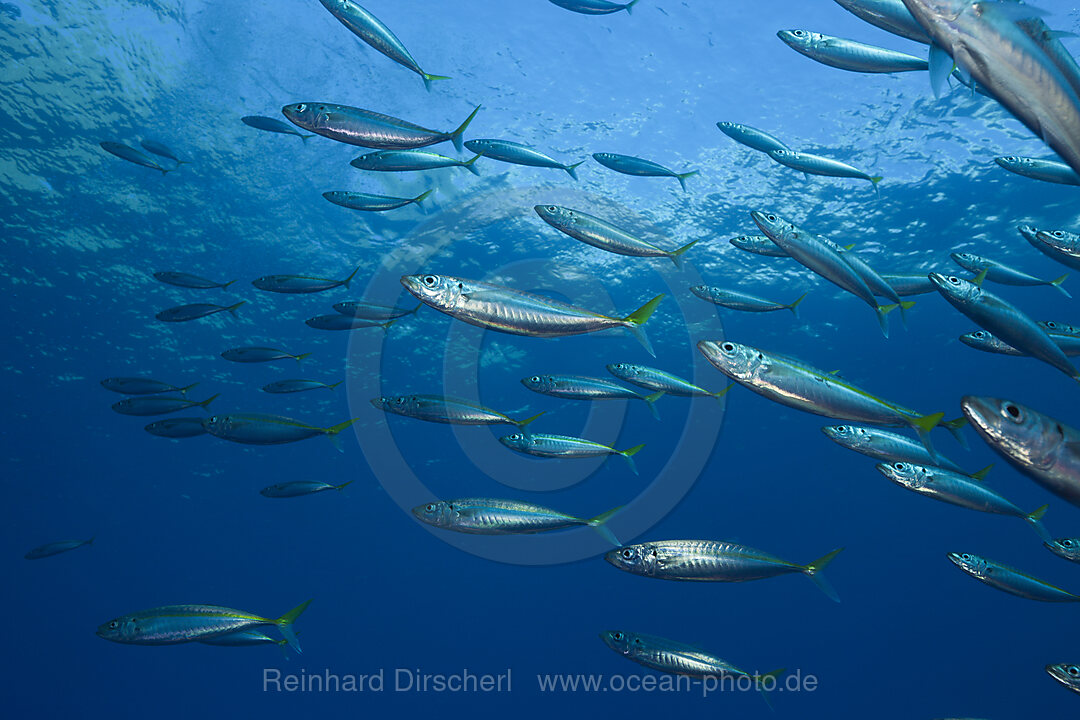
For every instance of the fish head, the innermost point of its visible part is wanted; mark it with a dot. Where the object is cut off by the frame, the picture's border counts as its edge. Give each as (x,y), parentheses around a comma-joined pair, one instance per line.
(516,441)
(122,405)
(1057,238)
(977,339)
(621,641)
(540,383)
(1013,162)
(625,371)
(1022,435)
(440,514)
(394,403)
(770,223)
(268,282)
(636,559)
(800,38)
(849,436)
(1068,675)
(971,564)
(701,291)
(956,289)
(306,115)
(478,147)
(122,630)
(218,424)
(1068,548)
(968,261)
(557,216)
(905,474)
(1059,328)
(1028,232)
(438,291)
(738,362)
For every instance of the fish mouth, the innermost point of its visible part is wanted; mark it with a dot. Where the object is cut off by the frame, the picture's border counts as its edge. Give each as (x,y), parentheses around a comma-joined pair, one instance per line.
(977,410)
(938,280)
(378,403)
(413,284)
(789,37)
(956,559)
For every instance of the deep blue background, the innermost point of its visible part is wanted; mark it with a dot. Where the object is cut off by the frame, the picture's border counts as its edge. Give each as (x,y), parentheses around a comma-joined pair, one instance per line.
(182,521)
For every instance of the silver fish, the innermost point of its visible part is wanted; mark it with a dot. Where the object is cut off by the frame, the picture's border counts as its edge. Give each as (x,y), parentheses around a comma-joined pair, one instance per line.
(889,15)
(518,154)
(177,428)
(759,245)
(889,446)
(850,55)
(1037,445)
(982,340)
(371,311)
(409,160)
(580,387)
(144,405)
(194,311)
(243,638)
(132,156)
(1067,674)
(292,386)
(1009,579)
(630,165)
(489,516)
(661,381)
(594,7)
(366,128)
(745,302)
(1004,320)
(959,489)
(300,284)
(1068,548)
(602,234)
(818,165)
(519,313)
(153,146)
(1059,245)
(258,429)
(751,137)
(908,284)
(142,386)
(1003,274)
(255,354)
(1039,169)
(55,548)
(372,203)
(372,31)
(563,446)
(186,280)
(298,488)
(709,561)
(269,124)
(447,410)
(337,321)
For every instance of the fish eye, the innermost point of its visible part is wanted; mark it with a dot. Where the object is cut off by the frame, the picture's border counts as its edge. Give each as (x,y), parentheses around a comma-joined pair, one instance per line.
(728,347)
(113,625)
(534,379)
(1066,543)
(797,33)
(627,553)
(430,280)
(430,507)
(954,280)
(772,218)
(301,107)
(1058,234)
(552,208)
(1073,671)
(516,436)
(979,334)
(898,466)
(1051,324)
(965,556)
(617,636)
(1013,411)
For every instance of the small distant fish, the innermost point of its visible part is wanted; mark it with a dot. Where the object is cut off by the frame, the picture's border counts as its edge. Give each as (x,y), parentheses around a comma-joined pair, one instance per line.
(255,354)
(131,155)
(985,341)
(174,624)
(1039,446)
(488,516)
(630,165)
(185,280)
(751,137)
(1003,274)
(850,55)
(818,165)
(56,548)
(959,489)
(407,160)
(244,638)
(579,387)
(889,446)
(519,313)
(370,311)
(1066,674)
(661,381)
(142,386)
(258,429)
(594,7)
(709,561)
(562,446)
(734,300)
(300,284)
(1009,579)
(300,487)
(908,284)
(447,410)
(1038,169)
(177,428)
(1068,548)
(371,30)
(603,235)
(162,150)
(1059,245)
(759,245)
(269,124)
(1003,320)
(372,203)
(145,405)
(292,386)
(337,321)
(194,311)
(889,15)
(518,154)
(366,128)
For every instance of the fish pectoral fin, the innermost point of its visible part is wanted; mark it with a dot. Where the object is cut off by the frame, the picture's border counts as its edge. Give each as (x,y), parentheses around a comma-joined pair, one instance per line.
(941,67)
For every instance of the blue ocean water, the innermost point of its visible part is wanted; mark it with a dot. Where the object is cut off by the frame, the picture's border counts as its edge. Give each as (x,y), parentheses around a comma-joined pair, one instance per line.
(182,521)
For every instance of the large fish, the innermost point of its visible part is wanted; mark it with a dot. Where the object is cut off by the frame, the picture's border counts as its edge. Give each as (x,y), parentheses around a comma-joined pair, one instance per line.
(661,381)
(734,300)
(411,160)
(563,446)
(371,30)
(519,313)
(601,234)
(55,548)
(518,154)
(789,382)
(1044,449)
(258,429)
(1009,579)
(174,624)
(1003,274)
(144,405)
(580,387)
(959,489)
(848,54)
(594,7)
(372,203)
(300,284)
(889,15)
(447,410)
(709,561)
(186,280)
(490,516)
(630,165)
(194,311)
(162,150)
(142,386)
(751,137)
(1004,320)
(984,40)
(366,128)
(132,156)
(269,124)
(1039,169)
(819,165)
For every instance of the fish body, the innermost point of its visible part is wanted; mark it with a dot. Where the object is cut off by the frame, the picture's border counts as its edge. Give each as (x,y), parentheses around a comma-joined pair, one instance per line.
(982,340)
(300,284)
(1039,169)
(751,137)
(153,146)
(445,409)
(734,300)
(144,405)
(142,386)
(660,381)
(759,245)
(884,445)
(850,55)
(194,311)
(518,313)
(408,160)
(366,128)
(131,155)
(370,311)
(518,154)
(1003,274)
(630,165)
(818,165)
(372,203)
(186,280)
(242,638)
(255,354)
(889,15)
(297,488)
(1009,579)
(563,446)
(269,124)
(603,235)
(580,387)
(491,516)
(55,548)
(337,321)
(177,428)
(291,386)
(908,284)
(1059,245)
(668,656)
(258,429)
(594,7)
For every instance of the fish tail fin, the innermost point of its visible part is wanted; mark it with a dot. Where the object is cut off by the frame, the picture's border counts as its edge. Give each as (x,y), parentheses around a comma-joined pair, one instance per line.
(981,277)
(523,424)
(651,400)
(470,164)
(386,325)
(772,676)
(286,621)
(719,395)
(301,356)
(304,138)
(572,169)
(422,196)
(332,433)
(334,385)
(90,541)
(205,404)
(875,179)
(904,306)
(232,308)
(415,309)
(923,425)
(1034,518)
(954,426)
(341,487)
(348,280)
(981,474)
(184,390)
(227,284)
(676,255)
(629,5)
(428,77)
(629,455)
(455,137)
(600,524)
(882,317)
(794,307)
(638,318)
(682,177)
(813,571)
(1057,283)
(164,171)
